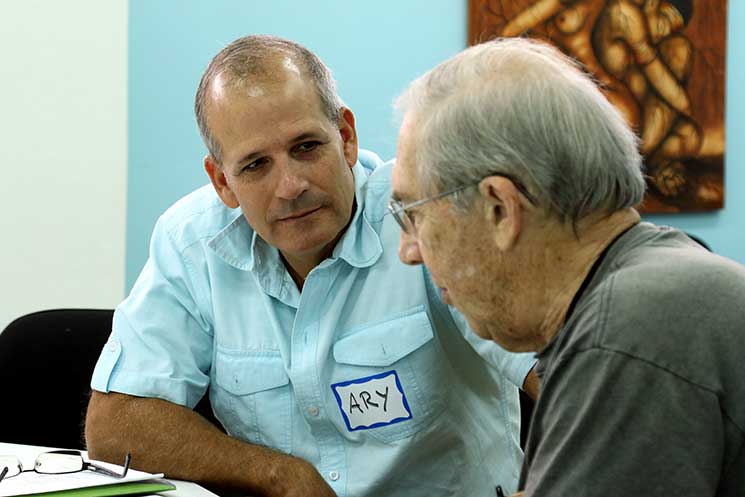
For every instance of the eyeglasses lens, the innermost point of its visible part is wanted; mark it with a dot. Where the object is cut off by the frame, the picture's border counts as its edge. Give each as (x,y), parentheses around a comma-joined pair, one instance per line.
(402,218)
(55,463)
(10,465)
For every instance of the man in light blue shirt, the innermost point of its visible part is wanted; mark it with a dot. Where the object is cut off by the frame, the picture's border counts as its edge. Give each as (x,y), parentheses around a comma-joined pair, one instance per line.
(334,368)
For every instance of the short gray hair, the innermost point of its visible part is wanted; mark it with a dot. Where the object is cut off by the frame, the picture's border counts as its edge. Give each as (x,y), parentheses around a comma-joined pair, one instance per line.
(523,109)
(256,56)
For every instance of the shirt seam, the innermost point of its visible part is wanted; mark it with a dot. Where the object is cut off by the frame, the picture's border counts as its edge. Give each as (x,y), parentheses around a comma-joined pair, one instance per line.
(604,313)
(172,225)
(417,309)
(191,271)
(679,376)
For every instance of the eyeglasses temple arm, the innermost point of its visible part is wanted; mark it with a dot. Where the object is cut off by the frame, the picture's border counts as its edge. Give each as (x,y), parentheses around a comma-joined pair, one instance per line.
(3,473)
(106,471)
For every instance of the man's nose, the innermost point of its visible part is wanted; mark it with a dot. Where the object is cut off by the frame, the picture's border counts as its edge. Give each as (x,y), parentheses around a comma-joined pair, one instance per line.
(292,181)
(408,249)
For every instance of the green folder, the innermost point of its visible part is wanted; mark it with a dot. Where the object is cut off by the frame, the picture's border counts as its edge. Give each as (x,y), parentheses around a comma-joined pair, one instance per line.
(129,488)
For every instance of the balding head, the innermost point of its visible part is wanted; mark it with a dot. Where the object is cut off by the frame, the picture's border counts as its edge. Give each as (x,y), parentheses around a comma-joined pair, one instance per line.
(253,62)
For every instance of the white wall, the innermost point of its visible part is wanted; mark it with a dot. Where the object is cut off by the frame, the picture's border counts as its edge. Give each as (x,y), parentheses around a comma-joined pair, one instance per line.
(63,154)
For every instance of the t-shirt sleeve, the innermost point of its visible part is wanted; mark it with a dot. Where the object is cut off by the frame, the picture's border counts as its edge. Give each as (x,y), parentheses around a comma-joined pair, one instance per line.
(608,424)
(513,366)
(161,344)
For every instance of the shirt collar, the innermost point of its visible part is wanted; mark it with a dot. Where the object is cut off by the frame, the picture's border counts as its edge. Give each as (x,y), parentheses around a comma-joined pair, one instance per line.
(241,247)
(360,246)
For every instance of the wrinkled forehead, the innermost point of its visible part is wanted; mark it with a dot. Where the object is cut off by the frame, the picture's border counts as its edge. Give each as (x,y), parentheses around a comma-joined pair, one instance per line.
(247,117)
(405,180)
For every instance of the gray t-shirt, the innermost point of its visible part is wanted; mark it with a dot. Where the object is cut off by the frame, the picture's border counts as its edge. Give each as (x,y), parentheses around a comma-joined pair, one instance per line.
(643,390)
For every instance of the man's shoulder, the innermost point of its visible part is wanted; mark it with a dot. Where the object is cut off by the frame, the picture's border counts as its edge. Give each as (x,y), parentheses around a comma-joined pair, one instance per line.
(377,190)
(663,299)
(378,170)
(669,268)
(199,214)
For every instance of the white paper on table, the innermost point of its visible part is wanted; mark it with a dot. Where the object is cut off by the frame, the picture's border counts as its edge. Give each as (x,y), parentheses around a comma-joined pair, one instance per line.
(32,482)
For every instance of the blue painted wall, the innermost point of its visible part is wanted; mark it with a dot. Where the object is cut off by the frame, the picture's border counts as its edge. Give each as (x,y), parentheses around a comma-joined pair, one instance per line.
(373,48)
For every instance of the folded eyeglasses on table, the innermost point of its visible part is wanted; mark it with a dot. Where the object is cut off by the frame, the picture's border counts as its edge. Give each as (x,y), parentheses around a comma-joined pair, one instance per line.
(57,462)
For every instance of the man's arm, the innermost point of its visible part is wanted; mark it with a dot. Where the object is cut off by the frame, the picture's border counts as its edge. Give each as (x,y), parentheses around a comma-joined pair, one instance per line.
(172,439)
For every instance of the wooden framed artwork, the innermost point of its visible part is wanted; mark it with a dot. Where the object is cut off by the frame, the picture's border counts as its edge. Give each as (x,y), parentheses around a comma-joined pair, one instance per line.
(660,62)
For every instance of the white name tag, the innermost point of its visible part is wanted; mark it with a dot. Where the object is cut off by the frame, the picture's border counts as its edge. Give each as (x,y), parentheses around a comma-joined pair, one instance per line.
(372,401)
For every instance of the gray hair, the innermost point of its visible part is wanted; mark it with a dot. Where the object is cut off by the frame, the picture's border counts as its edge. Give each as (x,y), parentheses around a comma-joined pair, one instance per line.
(255,56)
(523,109)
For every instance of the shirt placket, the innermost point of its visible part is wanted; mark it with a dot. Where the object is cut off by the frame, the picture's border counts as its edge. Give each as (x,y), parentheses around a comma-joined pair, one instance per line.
(306,374)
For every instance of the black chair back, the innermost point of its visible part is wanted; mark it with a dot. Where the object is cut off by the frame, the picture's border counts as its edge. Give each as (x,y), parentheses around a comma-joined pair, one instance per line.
(46,361)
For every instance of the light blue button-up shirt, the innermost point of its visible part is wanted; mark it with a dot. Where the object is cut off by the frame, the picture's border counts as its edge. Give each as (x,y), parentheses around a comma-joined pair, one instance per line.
(365,373)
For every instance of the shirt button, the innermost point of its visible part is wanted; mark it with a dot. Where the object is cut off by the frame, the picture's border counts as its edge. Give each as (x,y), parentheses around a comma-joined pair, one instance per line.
(112,346)
(333,475)
(313,411)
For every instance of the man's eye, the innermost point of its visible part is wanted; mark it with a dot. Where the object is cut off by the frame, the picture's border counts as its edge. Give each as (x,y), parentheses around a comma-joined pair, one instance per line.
(252,166)
(307,146)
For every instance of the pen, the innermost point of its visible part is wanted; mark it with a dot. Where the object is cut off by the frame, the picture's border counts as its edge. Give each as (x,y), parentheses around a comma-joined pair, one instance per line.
(500,493)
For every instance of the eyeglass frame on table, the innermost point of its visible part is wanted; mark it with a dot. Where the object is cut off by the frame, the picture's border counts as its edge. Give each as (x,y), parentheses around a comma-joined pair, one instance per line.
(14,462)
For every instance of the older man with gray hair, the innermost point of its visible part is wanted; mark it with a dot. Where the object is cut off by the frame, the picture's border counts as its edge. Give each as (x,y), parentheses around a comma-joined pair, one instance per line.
(516,184)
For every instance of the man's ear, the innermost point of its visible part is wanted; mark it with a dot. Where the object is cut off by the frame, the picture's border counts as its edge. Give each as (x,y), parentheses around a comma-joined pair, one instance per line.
(348,136)
(503,210)
(217,177)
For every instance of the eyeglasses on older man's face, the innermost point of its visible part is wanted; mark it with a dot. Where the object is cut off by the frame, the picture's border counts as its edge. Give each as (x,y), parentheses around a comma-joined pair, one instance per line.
(400,211)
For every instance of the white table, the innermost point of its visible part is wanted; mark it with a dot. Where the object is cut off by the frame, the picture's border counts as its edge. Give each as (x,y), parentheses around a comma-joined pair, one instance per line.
(27,454)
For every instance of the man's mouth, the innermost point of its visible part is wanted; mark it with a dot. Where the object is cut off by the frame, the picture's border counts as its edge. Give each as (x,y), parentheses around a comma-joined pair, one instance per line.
(300,214)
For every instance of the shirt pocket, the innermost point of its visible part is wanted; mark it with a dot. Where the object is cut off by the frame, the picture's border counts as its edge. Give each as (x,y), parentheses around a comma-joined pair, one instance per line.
(405,345)
(253,399)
